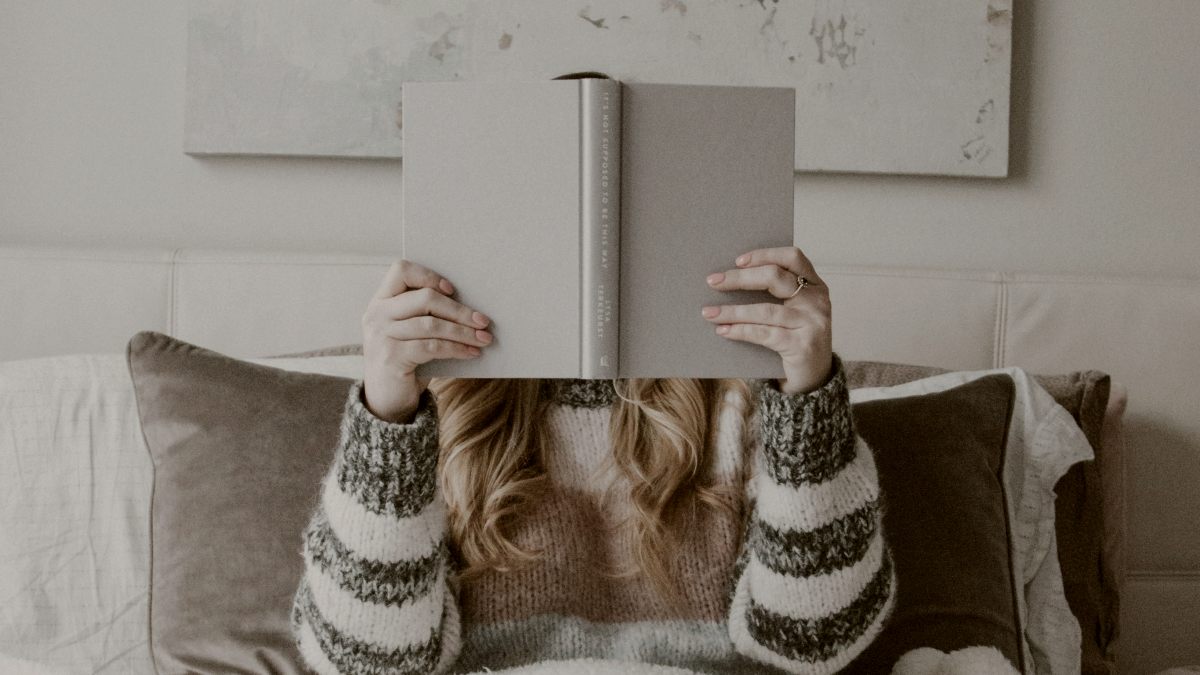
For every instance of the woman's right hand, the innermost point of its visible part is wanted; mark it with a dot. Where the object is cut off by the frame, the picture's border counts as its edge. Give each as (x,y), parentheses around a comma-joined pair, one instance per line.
(409,321)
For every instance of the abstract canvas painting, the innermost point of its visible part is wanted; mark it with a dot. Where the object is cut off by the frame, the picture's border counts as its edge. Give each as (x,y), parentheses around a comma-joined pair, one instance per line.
(908,86)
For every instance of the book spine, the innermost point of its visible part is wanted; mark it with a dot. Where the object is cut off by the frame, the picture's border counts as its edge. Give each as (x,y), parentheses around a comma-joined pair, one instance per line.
(600,212)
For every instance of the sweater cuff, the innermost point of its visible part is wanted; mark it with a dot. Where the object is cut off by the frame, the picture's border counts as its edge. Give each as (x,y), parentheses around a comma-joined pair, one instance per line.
(807,437)
(389,467)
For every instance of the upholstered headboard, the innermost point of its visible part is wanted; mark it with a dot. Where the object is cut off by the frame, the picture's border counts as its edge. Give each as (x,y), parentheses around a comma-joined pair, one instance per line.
(1142,331)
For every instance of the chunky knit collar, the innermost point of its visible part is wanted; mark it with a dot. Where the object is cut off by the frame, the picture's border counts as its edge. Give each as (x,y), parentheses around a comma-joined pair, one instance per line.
(582,393)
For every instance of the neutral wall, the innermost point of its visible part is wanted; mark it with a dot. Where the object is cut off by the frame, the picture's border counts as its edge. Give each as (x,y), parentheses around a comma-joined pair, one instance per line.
(1105,154)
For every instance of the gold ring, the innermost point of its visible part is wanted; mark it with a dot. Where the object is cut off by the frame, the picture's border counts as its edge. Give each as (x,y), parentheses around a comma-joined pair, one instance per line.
(801,283)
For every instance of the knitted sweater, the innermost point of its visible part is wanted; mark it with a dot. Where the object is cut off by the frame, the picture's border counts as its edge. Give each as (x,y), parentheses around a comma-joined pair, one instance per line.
(803,584)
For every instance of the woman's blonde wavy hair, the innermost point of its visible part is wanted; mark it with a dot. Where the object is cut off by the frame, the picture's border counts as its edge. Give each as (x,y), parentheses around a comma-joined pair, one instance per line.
(491,465)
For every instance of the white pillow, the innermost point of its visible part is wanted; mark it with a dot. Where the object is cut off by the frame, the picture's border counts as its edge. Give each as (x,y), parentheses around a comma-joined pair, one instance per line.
(1043,443)
(75,513)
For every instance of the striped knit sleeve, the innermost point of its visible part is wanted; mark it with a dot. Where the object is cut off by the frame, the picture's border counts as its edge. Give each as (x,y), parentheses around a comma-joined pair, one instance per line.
(814,580)
(375,596)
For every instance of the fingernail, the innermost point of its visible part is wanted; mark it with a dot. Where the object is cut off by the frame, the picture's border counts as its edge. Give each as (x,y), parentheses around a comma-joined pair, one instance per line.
(716,278)
(709,312)
(483,336)
(473,351)
(446,285)
(723,329)
(479,319)
(741,259)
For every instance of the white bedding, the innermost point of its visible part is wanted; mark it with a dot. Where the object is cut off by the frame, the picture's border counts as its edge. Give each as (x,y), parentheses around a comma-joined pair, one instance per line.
(75,503)
(75,499)
(75,513)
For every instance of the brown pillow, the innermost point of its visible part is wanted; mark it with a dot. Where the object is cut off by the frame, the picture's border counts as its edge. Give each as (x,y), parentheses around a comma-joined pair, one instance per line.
(1082,522)
(940,458)
(239,451)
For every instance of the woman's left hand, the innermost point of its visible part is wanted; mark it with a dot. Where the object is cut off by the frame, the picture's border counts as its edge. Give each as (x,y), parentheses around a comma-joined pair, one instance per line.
(800,329)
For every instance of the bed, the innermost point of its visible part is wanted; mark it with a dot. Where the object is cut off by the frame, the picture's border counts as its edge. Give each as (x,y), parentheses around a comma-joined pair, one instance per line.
(249,304)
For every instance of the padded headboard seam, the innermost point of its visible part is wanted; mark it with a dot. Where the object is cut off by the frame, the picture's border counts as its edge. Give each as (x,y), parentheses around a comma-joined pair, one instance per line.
(1001,323)
(173,291)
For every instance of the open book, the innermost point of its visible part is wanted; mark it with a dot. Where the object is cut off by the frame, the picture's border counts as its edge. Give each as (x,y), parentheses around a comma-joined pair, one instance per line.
(583,217)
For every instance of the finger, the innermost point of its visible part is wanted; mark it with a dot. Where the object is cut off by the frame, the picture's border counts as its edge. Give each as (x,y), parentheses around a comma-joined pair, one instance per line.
(777,281)
(428,301)
(790,258)
(431,349)
(406,274)
(767,313)
(422,327)
(771,337)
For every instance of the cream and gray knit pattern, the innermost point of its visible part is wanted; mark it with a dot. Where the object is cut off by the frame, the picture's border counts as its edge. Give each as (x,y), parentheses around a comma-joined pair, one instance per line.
(810,580)
(596,393)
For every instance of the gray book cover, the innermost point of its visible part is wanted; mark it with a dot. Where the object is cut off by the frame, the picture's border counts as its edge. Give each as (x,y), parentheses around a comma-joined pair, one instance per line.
(500,185)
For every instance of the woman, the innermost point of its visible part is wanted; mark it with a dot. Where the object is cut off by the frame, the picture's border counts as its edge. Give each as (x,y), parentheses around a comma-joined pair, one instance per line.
(716,525)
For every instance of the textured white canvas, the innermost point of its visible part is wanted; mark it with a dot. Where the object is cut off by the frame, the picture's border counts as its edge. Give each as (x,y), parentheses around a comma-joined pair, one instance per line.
(914,86)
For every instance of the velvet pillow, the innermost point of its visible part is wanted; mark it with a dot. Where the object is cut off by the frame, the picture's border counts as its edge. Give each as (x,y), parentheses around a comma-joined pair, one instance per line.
(940,458)
(239,450)
(1084,518)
